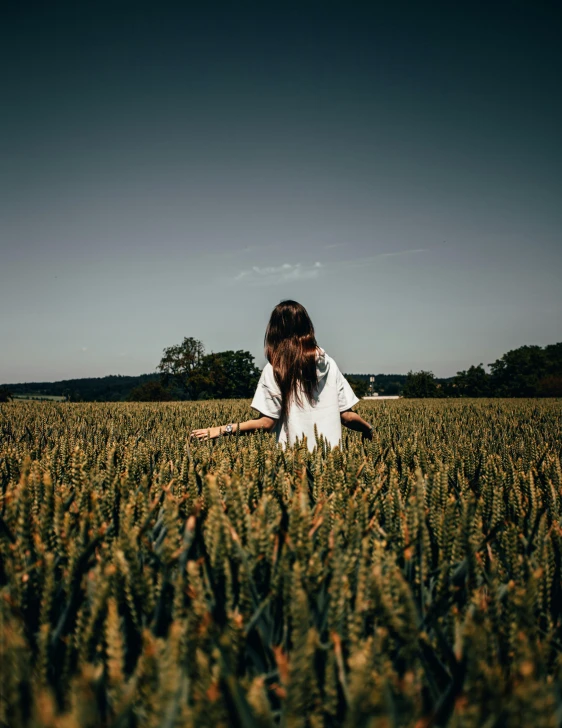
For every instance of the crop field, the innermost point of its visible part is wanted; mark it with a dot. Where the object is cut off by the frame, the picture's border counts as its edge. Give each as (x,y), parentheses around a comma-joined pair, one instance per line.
(414,580)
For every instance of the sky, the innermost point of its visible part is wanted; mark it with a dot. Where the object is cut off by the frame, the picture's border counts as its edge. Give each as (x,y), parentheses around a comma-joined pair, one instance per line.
(177,169)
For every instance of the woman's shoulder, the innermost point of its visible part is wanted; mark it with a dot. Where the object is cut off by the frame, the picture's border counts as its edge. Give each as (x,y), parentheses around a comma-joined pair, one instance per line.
(323,356)
(268,376)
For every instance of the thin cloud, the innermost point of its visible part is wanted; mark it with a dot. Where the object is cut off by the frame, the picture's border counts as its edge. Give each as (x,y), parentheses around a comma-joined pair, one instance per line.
(376,256)
(360,262)
(274,274)
(288,272)
(236,253)
(401,252)
(84,348)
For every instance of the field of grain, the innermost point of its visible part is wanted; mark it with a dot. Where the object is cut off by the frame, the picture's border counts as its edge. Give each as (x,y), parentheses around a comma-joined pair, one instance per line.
(411,581)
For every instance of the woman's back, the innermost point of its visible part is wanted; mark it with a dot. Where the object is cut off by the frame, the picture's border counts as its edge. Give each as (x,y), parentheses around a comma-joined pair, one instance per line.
(332,395)
(301,388)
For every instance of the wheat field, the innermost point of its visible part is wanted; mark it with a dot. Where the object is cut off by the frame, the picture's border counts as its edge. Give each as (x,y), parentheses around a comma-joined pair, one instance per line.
(414,580)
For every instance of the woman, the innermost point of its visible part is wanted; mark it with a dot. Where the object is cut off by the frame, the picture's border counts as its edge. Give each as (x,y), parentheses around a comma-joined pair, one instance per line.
(300,386)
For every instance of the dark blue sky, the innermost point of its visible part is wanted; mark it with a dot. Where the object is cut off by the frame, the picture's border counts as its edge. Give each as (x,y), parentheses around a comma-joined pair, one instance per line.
(175,170)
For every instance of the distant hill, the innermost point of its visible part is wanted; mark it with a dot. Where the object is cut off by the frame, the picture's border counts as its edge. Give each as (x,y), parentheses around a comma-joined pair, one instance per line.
(113,388)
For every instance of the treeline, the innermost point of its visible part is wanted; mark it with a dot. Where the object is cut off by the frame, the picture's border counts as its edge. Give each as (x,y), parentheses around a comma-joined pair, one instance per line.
(186,372)
(529,371)
(112,388)
(384,384)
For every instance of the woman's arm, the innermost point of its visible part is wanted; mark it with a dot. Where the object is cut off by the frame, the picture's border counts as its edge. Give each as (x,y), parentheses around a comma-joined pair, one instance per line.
(261,423)
(354,422)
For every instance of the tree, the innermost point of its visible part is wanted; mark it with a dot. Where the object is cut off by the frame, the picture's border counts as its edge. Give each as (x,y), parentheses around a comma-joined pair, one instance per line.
(550,386)
(421,385)
(152,391)
(360,386)
(5,395)
(553,359)
(224,375)
(177,364)
(518,373)
(472,382)
(186,372)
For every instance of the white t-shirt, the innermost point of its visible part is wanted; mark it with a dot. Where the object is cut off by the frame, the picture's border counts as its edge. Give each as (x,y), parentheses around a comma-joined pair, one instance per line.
(332,396)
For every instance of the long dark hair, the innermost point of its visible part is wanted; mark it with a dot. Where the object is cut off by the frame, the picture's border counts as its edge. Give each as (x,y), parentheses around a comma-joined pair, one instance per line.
(290,348)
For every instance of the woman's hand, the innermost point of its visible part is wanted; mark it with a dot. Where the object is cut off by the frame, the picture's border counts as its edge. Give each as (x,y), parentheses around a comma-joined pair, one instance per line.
(209,433)
(355,422)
